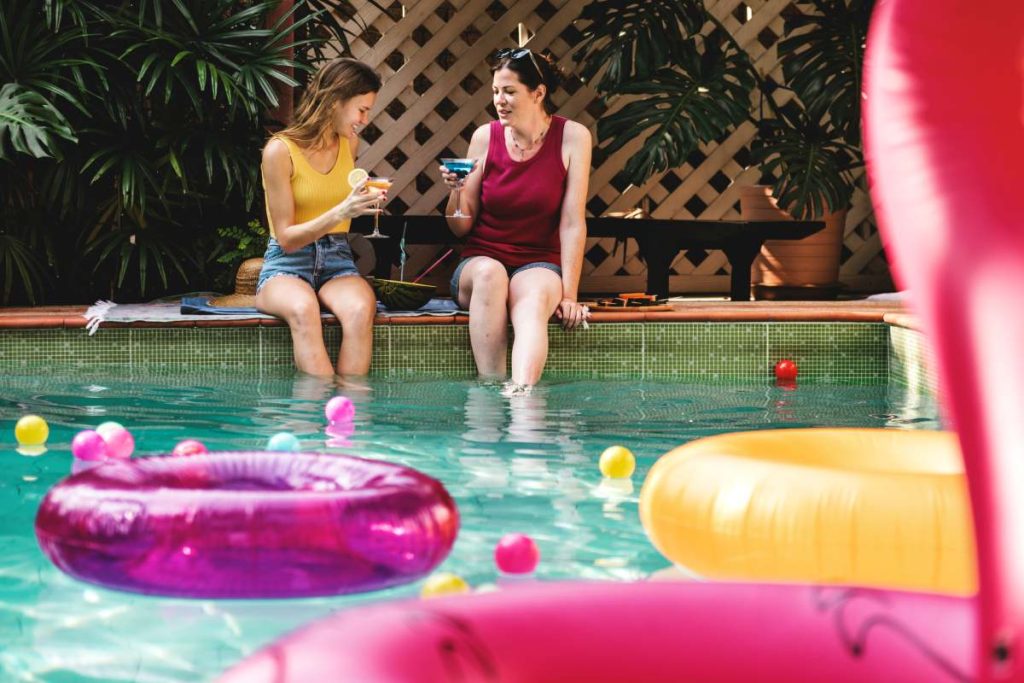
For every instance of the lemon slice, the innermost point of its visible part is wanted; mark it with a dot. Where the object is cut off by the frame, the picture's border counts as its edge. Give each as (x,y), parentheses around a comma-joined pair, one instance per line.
(356,176)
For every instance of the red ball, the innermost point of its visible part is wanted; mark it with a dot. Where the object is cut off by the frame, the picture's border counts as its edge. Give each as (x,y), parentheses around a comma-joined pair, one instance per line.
(516,554)
(785,370)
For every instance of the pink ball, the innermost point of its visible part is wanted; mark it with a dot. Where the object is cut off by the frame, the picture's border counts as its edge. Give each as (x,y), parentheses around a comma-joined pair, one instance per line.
(89,445)
(516,554)
(189,447)
(120,442)
(340,409)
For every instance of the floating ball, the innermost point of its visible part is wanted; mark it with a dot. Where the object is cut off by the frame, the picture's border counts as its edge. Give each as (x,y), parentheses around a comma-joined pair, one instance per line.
(31,430)
(107,426)
(785,370)
(88,445)
(443,583)
(120,442)
(282,441)
(617,462)
(340,409)
(189,447)
(516,554)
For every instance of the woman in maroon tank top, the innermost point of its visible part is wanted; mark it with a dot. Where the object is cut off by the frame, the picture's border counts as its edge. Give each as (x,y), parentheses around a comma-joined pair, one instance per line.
(525,229)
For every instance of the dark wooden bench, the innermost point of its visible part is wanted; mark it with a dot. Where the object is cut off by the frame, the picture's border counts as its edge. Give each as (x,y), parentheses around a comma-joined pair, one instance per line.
(659,241)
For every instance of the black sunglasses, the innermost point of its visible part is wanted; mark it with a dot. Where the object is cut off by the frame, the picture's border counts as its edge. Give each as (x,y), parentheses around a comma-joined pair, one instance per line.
(514,53)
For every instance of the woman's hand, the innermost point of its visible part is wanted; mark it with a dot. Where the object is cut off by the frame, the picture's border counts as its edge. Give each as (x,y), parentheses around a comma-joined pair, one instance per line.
(452,179)
(361,201)
(572,314)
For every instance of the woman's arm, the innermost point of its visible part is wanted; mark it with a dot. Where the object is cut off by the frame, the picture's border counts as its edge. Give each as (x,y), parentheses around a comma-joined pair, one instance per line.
(572,227)
(470,193)
(277,171)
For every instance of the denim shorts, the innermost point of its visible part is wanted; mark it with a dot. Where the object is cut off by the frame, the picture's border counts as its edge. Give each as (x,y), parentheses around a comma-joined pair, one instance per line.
(454,285)
(316,263)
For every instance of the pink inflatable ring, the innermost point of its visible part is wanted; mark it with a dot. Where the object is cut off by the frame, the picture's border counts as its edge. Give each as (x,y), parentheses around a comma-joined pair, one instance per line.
(247,525)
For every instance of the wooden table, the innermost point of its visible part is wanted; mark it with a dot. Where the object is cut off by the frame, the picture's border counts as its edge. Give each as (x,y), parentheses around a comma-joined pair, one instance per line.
(659,241)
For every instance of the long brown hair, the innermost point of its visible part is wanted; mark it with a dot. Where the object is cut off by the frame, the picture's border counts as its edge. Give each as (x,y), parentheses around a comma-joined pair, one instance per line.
(336,81)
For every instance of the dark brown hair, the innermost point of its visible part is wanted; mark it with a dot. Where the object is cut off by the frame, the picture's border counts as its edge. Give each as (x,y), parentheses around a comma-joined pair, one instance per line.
(532,69)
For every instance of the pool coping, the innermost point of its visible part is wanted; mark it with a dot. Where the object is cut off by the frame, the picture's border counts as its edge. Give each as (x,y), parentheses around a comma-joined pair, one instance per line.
(696,310)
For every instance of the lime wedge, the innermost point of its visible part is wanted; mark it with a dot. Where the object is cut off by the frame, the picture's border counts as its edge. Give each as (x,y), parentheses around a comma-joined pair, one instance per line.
(356,176)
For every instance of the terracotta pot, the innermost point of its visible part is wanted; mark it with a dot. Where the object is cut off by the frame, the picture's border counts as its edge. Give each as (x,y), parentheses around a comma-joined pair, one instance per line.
(807,263)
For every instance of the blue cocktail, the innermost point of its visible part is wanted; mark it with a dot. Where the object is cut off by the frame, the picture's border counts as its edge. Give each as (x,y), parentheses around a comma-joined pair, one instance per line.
(461,168)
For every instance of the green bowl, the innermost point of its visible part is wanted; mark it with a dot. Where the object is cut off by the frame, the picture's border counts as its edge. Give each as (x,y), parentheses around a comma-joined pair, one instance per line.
(402,296)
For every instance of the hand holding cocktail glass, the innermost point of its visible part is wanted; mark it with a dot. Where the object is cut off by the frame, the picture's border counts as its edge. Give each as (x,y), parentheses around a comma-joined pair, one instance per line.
(381,186)
(454,172)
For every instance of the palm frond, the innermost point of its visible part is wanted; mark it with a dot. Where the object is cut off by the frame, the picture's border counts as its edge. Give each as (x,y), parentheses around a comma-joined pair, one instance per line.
(29,124)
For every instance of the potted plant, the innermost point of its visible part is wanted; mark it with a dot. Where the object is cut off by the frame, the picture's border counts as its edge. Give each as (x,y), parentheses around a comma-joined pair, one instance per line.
(687,81)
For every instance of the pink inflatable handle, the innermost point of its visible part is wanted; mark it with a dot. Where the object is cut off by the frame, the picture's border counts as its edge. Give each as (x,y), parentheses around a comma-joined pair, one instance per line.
(247,525)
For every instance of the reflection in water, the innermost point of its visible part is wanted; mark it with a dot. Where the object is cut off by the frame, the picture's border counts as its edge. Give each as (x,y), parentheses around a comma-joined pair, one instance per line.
(524,463)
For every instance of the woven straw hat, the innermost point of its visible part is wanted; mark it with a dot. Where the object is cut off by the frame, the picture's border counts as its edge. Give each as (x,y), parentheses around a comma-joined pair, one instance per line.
(244,295)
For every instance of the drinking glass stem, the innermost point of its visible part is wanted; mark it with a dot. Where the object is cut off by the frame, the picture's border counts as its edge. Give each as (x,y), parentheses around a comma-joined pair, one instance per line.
(458,202)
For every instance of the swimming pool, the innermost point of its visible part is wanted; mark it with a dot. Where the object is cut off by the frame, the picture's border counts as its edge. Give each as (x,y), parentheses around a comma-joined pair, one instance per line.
(522,463)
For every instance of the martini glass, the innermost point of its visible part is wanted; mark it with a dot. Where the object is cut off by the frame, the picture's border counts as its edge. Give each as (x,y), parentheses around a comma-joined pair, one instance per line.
(461,168)
(377,183)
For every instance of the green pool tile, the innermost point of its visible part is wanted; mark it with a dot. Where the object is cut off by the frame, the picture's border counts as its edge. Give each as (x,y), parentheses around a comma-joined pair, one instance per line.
(604,350)
(59,348)
(911,362)
(704,351)
(832,352)
(225,349)
(433,350)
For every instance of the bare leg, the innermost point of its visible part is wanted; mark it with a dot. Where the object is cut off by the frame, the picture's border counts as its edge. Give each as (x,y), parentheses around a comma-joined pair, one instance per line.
(353,303)
(483,290)
(294,301)
(533,296)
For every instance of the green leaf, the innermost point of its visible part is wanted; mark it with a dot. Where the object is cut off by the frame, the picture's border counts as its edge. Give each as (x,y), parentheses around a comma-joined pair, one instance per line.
(29,124)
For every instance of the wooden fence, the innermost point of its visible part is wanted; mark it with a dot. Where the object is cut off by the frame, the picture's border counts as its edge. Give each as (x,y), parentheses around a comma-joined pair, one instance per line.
(433,57)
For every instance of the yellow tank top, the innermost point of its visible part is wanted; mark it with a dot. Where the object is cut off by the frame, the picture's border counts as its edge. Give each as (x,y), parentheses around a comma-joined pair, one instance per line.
(315,192)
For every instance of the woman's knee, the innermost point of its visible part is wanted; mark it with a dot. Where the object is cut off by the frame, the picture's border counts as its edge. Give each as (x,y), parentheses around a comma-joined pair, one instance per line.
(358,309)
(490,277)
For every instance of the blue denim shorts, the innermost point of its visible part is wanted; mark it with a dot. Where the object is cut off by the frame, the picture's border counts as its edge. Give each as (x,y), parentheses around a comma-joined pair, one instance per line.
(316,263)
(454,285)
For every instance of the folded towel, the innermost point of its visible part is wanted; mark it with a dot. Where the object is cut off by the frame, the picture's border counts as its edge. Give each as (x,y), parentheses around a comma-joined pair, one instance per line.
(201,305)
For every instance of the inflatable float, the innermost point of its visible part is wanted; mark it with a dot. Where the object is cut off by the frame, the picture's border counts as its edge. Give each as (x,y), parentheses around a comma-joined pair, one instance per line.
(247,525)
(867,507)
(945,131)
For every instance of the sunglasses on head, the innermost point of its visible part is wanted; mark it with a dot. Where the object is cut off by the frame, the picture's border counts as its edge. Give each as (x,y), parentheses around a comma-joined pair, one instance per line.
(515,53)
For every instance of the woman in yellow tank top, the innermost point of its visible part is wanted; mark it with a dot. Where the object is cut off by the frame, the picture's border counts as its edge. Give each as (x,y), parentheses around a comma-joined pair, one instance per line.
(308,262)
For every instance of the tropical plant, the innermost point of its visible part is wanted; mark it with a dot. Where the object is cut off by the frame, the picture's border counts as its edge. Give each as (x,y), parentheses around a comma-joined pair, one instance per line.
(687,82)
(130,131)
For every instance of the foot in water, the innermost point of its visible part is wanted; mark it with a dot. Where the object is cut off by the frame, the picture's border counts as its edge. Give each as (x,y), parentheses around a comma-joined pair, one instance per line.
(513,389)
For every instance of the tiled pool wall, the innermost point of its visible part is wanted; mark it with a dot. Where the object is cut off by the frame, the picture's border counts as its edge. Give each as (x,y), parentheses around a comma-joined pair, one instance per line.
(911,363)
(830,352)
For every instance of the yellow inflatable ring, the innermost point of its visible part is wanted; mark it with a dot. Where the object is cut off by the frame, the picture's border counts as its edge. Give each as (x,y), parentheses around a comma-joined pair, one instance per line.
(867,507)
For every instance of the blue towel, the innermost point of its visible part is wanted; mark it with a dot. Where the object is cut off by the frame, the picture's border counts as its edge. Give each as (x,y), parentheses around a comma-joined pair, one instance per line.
(201,305)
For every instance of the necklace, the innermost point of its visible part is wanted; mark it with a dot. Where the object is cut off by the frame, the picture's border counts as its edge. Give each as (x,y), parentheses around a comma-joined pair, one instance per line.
(529,148)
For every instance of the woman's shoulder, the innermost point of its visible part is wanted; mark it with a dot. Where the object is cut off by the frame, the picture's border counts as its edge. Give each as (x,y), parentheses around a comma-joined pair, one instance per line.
(277,155)
(576,133)
(277,147)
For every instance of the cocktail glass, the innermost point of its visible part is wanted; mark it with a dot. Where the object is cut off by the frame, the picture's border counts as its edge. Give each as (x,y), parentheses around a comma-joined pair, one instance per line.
(377,183)
(461,168)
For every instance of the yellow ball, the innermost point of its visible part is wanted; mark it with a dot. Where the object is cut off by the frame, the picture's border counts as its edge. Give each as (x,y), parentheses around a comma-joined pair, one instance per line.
(444,584)
(617,462)
(31,430)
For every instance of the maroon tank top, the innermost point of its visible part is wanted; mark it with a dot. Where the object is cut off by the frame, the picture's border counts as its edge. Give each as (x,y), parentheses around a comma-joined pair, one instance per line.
(520,202)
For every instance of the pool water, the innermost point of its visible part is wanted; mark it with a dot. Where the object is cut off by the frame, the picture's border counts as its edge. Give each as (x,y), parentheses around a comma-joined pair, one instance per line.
(522,463)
